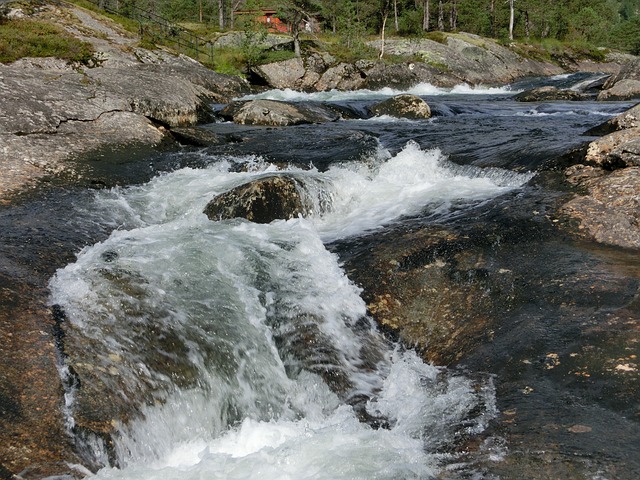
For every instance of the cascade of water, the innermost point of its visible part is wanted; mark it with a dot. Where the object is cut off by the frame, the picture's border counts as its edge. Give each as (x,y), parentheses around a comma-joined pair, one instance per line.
(246,346)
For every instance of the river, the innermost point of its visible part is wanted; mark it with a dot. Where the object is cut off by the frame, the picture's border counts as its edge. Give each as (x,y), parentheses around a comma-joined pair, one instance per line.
(245,350)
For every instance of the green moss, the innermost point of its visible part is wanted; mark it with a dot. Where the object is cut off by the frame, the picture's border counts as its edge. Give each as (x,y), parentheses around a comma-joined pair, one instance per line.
(271,56)
(553,50)
(31,38)
(437,36)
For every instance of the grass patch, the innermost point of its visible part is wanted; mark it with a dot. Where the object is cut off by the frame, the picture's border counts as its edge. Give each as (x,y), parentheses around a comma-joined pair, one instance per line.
(21,38)
(229,60)
(271,56)
(557,51)
(437,36)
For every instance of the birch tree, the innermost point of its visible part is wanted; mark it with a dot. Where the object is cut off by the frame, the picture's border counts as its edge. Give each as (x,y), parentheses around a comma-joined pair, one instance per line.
(511,18)
(425,15)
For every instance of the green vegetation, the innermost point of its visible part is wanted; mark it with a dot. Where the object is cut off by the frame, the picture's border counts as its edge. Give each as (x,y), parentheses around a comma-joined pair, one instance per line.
(542,29)
(31,38)
(602,23)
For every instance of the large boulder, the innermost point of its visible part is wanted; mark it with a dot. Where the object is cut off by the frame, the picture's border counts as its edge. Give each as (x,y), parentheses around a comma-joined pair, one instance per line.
(284,74)
(626,89)
(403,106)
(549,93)
(625,85)
(402,76)
(607,177)
(276,113)
(296,73)
(344,76)
(261,201)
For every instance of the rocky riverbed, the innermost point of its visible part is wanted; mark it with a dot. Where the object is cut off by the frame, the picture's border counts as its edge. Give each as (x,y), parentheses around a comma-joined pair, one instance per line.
(453,293)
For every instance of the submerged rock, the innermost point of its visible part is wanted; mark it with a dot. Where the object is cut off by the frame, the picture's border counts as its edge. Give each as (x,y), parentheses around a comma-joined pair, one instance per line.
(276,113)
(403,106)
(260,201)
(549,93)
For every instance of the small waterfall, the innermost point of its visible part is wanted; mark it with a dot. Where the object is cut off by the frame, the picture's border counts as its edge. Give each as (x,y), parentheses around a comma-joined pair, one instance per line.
(223,349)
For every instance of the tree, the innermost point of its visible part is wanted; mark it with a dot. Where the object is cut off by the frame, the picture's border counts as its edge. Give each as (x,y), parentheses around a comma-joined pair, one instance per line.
(384,13)
(298,14)
(511,18)
(425,15)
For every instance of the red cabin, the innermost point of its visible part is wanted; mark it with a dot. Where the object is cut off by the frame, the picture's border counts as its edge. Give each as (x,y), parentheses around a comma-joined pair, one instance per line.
(267,18)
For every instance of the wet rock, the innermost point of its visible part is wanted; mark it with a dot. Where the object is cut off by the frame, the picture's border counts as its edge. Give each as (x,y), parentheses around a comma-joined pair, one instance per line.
(628,119)
(609,212)
(261,201)
(617,150)
(403,106)
(607,209)
(429,290)
(276,113)
(549,93)
(198,137)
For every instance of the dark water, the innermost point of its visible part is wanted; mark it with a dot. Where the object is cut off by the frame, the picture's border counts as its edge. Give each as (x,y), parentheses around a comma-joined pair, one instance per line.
(577,418)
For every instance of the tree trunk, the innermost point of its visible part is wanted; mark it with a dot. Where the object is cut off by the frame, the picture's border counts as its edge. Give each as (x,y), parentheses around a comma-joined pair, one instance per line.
(526,24)
(492,17)
(453,16)
(221,14)
(200,10)
(384,24)
(440,16)
(395,15)
(425,16)
(511,19)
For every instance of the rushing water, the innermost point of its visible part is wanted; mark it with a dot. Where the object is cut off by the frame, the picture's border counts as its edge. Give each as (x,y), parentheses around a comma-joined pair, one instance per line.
(253,350)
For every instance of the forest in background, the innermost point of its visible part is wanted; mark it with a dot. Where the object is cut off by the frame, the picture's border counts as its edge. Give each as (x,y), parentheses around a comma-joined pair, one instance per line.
(605,23)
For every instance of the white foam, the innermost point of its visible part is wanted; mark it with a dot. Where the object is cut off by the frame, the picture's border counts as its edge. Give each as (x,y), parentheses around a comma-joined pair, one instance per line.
(421,89)
(423,403)
(217,288)
(367,197)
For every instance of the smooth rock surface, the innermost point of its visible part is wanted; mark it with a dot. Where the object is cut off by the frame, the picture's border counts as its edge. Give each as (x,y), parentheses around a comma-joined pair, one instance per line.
(624,85)
(403,106)
(276,113)
(607,207)
(264,200)
(545,94)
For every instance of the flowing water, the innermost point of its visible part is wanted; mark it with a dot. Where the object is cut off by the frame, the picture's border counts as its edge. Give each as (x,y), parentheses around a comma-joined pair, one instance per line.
(249,350)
